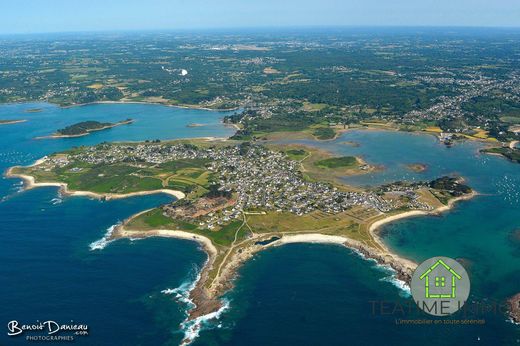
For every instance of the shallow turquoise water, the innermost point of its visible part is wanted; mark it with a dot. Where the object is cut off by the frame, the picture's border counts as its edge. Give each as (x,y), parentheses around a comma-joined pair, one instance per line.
(297,294)
(337,286)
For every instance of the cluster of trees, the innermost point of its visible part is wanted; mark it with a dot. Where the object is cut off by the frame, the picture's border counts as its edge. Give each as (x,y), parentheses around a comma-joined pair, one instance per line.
(373,70)
(215,192)
(82,128)
(450,184)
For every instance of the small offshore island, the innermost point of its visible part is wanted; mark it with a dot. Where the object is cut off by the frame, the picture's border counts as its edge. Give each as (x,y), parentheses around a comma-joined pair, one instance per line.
(237,198)
(417,167)
(10,122)
(84,128)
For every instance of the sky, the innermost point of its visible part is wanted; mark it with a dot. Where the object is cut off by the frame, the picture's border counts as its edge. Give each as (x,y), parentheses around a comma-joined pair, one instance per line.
(35,16)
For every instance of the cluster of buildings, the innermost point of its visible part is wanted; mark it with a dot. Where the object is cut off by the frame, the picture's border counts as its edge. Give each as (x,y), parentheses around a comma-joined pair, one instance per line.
(265,179)
(471,86)
(403,195)
(259,179)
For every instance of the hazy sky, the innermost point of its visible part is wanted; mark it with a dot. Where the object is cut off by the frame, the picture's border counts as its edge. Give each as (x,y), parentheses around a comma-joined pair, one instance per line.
(24,16)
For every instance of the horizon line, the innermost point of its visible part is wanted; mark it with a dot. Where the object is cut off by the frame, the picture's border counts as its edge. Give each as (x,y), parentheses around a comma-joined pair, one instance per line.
(260,28)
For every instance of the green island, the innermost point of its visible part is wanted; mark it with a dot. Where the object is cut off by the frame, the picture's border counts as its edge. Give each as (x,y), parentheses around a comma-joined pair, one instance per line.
(239,197)
(9,122)
(511,153)
(33,110)
(84,128)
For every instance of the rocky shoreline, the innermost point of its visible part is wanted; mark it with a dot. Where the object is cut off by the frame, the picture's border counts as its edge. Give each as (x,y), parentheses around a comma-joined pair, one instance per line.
(207,296)
(207,299)
(514,308)
(220,270)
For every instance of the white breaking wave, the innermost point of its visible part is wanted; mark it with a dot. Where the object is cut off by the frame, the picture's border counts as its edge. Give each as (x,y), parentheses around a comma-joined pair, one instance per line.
(404,289)
(103,242)
(510,320)
(182,293)
(55,201)
(192,328)
(15,188)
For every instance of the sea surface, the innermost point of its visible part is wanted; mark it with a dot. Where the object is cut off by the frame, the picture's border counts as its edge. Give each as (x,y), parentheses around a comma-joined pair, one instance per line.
(54,264)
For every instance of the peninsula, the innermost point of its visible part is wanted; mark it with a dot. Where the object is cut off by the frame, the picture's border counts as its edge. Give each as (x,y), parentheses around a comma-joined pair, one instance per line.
(237,198)
(510,152)
(85,128)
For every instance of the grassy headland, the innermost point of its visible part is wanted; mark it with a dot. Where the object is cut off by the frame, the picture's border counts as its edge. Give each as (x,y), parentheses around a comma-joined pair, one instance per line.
(512,154)
(241,198)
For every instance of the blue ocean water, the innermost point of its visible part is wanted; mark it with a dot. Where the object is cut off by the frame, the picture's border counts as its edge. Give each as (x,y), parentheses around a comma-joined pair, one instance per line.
(47,271)
(301,294)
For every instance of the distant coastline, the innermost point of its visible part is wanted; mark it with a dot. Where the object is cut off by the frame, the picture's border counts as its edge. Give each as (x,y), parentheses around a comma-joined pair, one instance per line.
(183,106)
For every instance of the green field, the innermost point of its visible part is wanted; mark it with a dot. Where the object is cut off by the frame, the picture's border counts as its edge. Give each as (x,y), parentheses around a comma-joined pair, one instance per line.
(324,133)
(154,219)
(188,176)
(296,154)
(337,162)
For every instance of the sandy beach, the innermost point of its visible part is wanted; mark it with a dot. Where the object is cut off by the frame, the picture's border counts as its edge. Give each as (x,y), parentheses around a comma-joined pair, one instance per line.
(398,263)
(235,126)
(310,238)
(206,295)
(30,183)
(395,217)
(412,213)
(513,144)
(208,246)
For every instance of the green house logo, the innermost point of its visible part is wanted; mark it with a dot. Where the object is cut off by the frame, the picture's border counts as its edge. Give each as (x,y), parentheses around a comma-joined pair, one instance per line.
(440,286)
(440,281)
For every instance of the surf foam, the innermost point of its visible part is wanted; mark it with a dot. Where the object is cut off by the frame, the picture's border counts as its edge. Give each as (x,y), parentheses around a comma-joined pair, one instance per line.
(103,242)
(192,328)
(182,293)
(56,201)
(404,289)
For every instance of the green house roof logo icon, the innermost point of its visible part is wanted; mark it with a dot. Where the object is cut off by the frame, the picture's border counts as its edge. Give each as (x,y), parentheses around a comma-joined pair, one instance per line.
(440,281)
(440,286)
